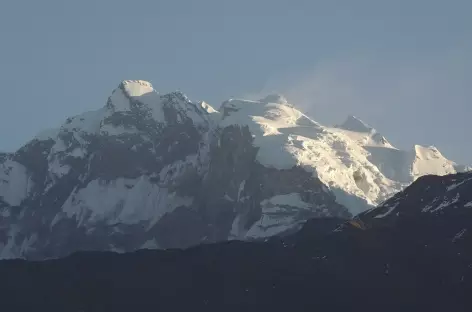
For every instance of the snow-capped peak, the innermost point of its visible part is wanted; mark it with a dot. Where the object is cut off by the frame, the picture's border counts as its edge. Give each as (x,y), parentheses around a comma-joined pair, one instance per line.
(133,109)
(429,160)
(136,87)
(362,132)
(144,155)
(353,123)
(352,158)
(423,152)
(139,97)
(135,94)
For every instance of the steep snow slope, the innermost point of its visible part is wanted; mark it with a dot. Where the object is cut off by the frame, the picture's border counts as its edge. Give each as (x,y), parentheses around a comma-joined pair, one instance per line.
(152,170)
(353,159)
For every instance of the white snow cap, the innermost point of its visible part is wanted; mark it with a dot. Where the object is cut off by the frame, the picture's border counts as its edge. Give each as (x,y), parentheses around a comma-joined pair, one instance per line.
(130,96)
(136,87)
(353,123)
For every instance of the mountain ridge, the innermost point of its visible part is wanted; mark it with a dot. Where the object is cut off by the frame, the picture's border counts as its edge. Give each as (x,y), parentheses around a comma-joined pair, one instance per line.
(170,172)
(403,259)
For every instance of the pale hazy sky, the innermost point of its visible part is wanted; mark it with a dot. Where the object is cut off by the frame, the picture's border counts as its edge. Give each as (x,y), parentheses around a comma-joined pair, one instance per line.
(403,66)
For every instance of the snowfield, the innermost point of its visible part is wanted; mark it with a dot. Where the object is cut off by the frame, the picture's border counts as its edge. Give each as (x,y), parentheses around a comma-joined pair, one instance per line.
(355,161)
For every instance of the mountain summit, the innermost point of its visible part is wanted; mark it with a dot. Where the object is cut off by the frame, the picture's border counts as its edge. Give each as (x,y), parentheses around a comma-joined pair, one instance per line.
(151,170)
(352,123)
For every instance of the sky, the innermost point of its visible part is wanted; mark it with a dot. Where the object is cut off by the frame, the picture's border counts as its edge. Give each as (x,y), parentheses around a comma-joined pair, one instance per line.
(403,66)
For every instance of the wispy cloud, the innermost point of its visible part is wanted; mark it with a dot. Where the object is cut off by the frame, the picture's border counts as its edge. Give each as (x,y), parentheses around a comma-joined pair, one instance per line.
(428,98)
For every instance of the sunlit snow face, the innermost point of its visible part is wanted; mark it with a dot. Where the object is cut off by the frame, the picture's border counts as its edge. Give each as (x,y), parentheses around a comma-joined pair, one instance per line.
(356,161)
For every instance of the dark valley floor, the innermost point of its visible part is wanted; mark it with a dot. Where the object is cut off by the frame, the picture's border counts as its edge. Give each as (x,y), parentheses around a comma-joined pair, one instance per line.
(415,261)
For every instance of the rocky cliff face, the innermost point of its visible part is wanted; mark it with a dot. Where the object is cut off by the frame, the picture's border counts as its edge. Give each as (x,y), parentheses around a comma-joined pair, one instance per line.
(411,254)
(147,171)
(158,171)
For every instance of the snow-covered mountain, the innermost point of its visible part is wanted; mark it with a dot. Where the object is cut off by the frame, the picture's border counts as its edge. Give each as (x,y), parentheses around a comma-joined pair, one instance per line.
(152,170)
(356,162)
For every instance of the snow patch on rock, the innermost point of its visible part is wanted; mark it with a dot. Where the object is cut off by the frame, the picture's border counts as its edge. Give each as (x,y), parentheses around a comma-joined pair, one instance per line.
(127,201)
(274,218)
(15,182)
